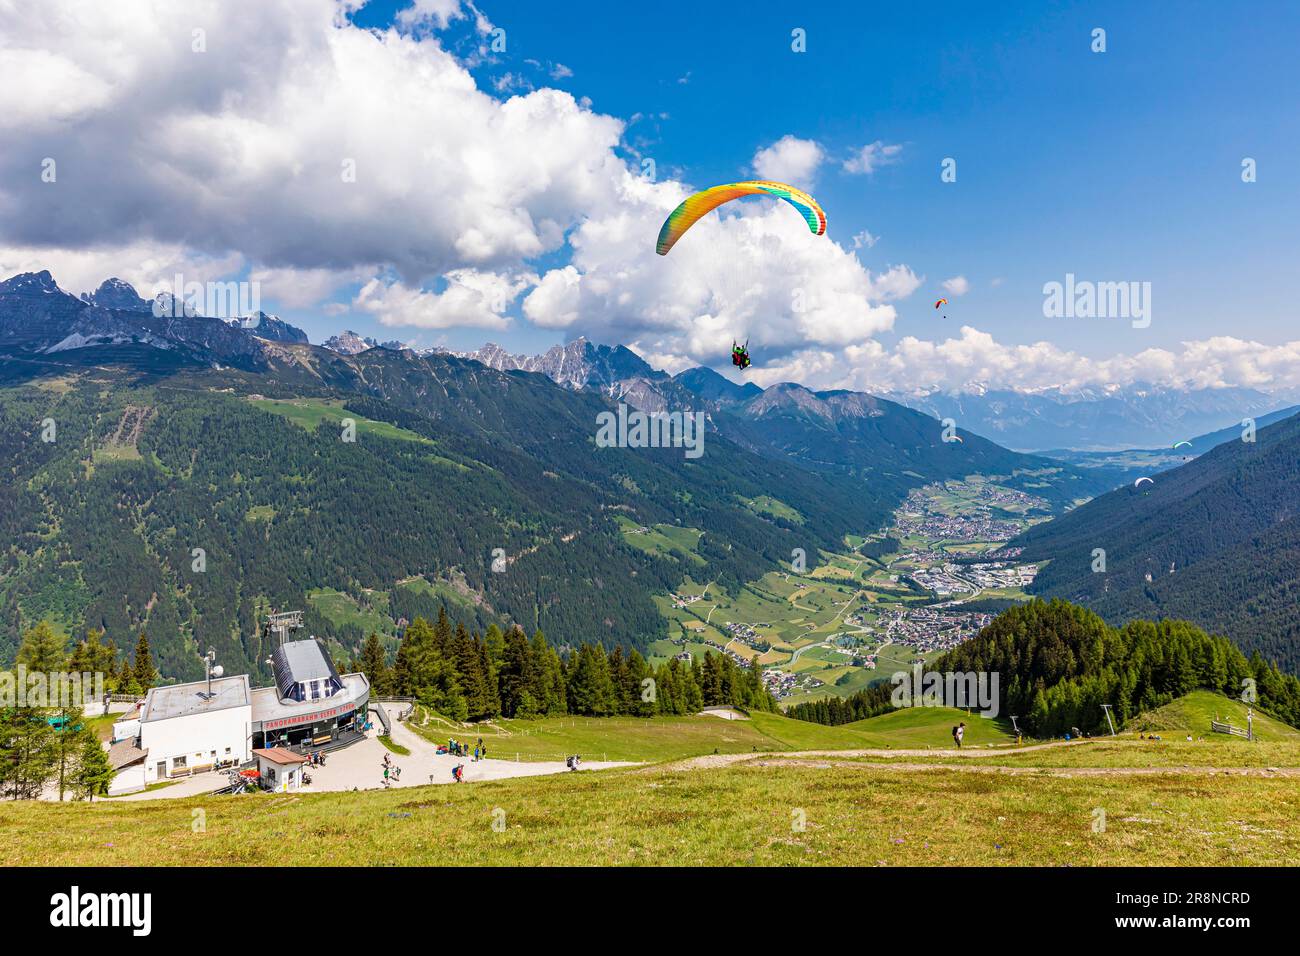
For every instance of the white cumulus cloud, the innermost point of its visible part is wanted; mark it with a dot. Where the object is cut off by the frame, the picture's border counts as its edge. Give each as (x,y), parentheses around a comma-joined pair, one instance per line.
(957,285)
(789,160)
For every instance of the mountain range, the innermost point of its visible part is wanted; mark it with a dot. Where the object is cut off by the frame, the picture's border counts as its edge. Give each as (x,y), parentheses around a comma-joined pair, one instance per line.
(185,440)
(181,428)
(1107,419)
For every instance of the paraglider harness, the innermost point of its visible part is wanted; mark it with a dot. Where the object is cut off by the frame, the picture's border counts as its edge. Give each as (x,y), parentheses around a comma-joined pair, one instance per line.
(740,355)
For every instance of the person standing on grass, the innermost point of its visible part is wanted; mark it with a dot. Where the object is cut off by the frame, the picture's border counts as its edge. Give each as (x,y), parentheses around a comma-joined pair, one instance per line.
(958,733)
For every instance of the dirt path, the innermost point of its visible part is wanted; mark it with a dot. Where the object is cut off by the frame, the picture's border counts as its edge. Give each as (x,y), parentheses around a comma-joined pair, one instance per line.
(969,759)
(1036,771)
(711,761)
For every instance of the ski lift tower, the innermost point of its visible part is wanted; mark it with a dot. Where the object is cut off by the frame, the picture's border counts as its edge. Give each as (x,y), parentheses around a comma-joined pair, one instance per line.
(1106,708)
(283,624)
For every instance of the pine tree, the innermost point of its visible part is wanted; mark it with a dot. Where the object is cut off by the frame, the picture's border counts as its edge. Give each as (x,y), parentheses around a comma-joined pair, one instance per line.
(637,673)
(591,692)
(552,689)
(518,677)
(92,655)
(67,743)
(374,665)
(496,645)
(93,774)
(491,694)
(126,682)
(28,757)
(469,669)
(43,651)
(621,699)
(145,673)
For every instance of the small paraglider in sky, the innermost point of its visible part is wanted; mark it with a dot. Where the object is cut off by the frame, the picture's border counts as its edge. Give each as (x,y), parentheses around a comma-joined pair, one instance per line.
(1138,483)
(1181,444)
(941,302)
(740,355)
(695,207)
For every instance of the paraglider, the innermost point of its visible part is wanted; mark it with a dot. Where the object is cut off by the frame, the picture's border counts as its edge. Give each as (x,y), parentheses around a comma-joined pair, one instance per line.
(695,207)
(740,355)
(1183,442)
(1138,483)
(941,302)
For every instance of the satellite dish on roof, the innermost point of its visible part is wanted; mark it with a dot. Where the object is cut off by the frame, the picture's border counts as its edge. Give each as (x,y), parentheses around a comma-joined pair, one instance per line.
(218,671)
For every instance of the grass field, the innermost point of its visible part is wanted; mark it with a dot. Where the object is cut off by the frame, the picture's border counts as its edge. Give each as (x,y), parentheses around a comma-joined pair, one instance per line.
(735,815)
(1218,801)
(646,740)
(342,609)
(312,413)
(1194,712)
(930,727)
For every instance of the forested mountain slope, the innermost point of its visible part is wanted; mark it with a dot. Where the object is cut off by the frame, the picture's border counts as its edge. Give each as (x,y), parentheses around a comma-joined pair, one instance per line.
(1216,542)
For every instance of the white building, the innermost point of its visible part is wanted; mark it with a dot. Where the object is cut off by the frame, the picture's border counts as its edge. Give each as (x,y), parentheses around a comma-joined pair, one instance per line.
(281,770)
(184,730)
(193,728)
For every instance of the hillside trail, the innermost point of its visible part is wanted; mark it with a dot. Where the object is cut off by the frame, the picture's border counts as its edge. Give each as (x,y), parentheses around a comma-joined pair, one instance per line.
(843,759)
(709,761)
(1291,772)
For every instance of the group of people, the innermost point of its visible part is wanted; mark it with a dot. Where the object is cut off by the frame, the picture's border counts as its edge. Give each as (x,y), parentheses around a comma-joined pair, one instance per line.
(316,759)
(392,772)
(461,749)
(572,762)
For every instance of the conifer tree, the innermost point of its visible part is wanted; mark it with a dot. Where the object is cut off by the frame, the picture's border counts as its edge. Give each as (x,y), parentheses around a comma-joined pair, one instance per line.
(43,651)
(374,665)
(145,674)
(93,773)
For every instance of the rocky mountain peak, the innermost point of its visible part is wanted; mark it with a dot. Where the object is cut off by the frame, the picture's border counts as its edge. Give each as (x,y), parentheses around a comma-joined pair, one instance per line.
(115,293)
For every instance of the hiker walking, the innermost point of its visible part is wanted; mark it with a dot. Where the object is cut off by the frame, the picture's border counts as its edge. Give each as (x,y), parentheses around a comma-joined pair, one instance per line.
(958,733)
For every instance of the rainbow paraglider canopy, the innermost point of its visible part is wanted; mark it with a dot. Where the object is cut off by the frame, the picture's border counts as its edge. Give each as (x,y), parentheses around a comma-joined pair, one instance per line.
(696,206)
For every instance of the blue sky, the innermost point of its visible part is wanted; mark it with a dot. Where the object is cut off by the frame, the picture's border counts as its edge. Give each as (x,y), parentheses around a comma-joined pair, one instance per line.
(1123,165)
(479,183)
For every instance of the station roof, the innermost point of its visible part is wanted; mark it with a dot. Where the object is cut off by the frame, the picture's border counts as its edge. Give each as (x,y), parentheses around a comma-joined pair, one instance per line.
(268,705)
(182,700)
(280,755)
(300,661)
